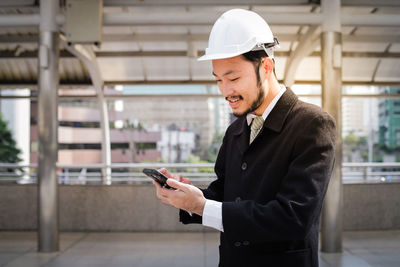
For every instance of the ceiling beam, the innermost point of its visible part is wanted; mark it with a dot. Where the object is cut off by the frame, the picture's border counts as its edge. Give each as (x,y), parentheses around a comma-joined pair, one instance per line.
(371,38)
(166,37)
(212,82)
(241,3)
(135,96)
(366,54)
(11,54)
(372,3)
(203,18)
(150,3)
(32,84)
(17,3)
(206,19)
(15,54)
(203,2)
(273,18)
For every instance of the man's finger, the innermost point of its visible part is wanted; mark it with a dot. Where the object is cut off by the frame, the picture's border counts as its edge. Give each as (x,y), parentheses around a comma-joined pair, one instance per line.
(157,185)
(161,192)
(175,184)
(185,180)
(165,193)
(166,172)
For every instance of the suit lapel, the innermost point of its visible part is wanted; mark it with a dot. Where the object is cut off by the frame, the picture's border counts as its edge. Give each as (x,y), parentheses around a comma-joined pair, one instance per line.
(242,136)
(277,117)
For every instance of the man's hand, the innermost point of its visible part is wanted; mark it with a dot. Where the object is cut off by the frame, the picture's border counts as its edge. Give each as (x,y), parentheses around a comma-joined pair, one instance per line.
(186,196)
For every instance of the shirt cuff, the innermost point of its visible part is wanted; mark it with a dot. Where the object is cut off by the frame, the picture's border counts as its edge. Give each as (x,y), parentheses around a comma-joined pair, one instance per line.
(212,215)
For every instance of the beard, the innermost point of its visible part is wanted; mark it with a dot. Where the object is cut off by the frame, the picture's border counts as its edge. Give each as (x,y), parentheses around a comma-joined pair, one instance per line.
(254,105)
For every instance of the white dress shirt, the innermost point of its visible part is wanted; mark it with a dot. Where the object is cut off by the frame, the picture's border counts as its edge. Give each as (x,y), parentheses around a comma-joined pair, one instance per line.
(212,214)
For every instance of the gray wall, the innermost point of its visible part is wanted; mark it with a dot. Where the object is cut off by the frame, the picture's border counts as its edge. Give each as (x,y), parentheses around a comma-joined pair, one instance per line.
(135,208)
(371,206)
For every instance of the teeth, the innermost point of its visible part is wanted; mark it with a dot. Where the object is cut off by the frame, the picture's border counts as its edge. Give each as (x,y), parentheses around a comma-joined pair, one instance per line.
(233,99)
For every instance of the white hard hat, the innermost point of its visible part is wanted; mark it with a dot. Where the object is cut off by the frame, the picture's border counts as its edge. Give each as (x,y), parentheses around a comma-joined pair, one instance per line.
(239,31)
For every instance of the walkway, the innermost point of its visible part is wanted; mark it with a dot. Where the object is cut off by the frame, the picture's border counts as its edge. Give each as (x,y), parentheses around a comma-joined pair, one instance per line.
(18,249)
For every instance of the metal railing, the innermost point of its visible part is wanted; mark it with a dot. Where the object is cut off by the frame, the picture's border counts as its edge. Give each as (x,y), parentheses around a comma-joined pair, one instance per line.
(199,173)
(371,172)
(121,173)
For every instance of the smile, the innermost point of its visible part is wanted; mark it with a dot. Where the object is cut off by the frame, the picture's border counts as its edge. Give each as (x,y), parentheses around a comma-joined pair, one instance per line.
(233,99)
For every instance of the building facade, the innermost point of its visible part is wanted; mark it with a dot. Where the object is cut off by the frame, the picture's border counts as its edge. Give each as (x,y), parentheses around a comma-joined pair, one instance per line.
(389,119)
(79,138)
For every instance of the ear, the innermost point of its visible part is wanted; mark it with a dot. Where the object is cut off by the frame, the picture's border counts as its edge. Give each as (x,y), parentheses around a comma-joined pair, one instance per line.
(267,66)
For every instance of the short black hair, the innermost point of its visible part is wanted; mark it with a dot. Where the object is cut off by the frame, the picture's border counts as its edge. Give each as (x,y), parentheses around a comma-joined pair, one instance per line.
(255,57)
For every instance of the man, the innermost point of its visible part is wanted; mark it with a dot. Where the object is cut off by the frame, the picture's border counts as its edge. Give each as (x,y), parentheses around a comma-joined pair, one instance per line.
(275,161)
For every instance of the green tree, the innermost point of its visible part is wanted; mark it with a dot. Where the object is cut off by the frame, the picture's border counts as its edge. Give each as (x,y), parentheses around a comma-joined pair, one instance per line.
(196,159)
(354,144)
(210,154)
(9,153)
(382,150)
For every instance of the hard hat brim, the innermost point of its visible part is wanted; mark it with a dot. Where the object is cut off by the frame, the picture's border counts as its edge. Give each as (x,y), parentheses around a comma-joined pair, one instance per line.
(218,56)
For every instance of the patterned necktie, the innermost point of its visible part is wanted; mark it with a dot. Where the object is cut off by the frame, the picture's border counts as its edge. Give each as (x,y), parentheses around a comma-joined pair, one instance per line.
(256,127)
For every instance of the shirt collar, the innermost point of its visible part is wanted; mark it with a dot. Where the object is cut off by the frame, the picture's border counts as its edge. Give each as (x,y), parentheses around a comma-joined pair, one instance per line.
(251,116)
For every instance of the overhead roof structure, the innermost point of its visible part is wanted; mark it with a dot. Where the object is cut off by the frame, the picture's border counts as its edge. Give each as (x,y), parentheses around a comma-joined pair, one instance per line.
(157,41)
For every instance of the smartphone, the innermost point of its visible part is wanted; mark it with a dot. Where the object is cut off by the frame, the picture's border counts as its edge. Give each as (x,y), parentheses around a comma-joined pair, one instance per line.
(158,177)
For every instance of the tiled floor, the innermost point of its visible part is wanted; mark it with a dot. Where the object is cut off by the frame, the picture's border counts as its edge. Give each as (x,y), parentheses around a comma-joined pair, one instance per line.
(175,249)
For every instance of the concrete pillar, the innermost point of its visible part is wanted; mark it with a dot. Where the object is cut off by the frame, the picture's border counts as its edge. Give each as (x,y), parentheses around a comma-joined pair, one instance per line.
(331,63)
(18,114)
(48,223)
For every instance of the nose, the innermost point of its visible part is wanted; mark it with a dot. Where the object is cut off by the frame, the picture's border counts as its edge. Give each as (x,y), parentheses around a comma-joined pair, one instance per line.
(225,89)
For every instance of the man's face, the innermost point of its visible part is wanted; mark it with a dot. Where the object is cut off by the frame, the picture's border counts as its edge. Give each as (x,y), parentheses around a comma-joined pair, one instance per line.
(237,82)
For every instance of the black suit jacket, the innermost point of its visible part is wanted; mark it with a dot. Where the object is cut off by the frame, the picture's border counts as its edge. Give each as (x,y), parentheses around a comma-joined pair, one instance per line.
(272,190)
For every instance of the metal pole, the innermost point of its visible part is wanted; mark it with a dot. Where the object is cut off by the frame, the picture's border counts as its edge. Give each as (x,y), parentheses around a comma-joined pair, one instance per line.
(48,235)
(105,130)
(331,230)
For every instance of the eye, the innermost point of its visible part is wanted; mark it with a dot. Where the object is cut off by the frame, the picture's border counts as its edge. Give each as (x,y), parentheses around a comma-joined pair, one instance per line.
(218,81)
(235,79)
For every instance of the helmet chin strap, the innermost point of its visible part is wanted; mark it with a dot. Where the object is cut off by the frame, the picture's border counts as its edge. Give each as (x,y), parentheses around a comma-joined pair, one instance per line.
(269,51)
(269,48)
